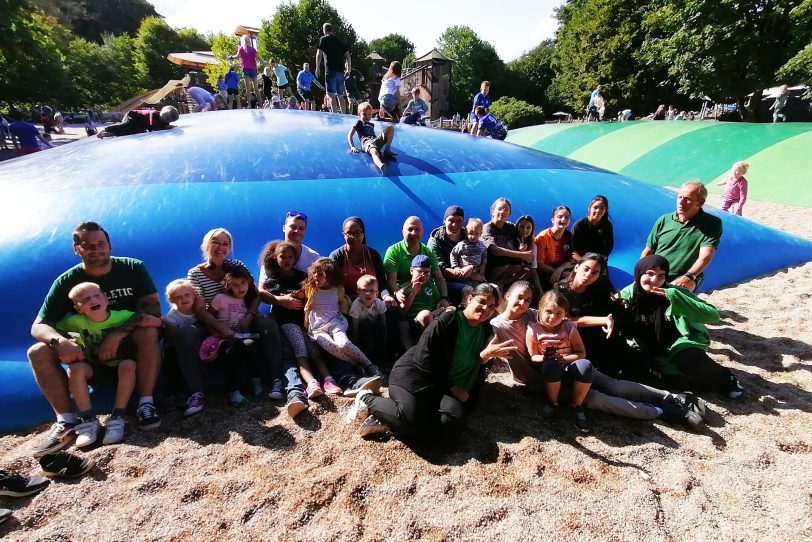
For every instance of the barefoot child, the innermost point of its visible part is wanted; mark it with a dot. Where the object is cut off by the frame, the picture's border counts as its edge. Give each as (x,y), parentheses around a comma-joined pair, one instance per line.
(735,188)
(279,258)
(471,252)
(92,323)
(554,342)
(379,146)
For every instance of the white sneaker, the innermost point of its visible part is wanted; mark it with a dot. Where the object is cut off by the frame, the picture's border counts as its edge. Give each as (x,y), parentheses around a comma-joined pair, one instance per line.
(372,426)
(358,407)
(114,430)
(87,431)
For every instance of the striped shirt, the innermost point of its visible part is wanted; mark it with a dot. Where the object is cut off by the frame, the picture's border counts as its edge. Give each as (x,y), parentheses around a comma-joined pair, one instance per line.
(207,287)
(467,253)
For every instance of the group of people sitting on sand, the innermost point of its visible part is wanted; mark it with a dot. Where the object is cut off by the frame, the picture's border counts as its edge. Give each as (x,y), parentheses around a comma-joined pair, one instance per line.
(426,318)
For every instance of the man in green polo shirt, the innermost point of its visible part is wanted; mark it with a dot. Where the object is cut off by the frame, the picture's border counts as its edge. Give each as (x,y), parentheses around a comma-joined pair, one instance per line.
(687,238)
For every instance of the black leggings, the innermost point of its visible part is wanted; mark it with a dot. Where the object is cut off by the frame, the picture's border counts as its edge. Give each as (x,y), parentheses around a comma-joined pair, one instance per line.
(409,414)
(700,372)
(241,365)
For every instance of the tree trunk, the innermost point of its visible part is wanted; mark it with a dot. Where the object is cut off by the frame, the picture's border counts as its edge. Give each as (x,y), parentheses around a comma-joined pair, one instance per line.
(754,111)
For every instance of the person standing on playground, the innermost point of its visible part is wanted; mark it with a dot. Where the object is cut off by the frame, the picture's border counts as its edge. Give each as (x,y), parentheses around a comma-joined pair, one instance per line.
(336,61)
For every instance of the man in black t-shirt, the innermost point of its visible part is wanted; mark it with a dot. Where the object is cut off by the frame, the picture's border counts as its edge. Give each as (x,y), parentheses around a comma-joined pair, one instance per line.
(336,60)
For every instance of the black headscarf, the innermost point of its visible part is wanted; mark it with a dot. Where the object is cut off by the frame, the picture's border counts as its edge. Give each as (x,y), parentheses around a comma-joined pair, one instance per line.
(652,331)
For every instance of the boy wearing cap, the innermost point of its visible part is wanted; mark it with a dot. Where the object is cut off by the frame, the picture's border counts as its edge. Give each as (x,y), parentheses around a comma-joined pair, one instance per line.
(420,294)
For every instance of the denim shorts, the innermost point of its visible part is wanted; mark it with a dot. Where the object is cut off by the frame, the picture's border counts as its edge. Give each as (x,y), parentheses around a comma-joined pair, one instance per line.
(249,72)
(335,83)
(388,101)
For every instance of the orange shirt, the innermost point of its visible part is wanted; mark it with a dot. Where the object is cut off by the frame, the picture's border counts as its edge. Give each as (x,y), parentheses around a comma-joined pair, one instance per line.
(552,251)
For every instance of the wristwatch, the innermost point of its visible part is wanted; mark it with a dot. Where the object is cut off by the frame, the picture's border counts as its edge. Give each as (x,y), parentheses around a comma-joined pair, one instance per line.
(53,342)
(690,276)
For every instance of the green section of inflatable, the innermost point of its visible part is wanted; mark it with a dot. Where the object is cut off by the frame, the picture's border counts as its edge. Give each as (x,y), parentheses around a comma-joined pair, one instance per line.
(669,153)
(618,149)
(780,173)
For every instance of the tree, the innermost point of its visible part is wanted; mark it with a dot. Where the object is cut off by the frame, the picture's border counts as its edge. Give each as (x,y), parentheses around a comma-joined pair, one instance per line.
(101,75)
(799,67)
(92,19)
(517,113)
(293,32)
(599,42)
(393,47)
(154,41)
(726,48)
(530,75)
(222,46)
(475,61)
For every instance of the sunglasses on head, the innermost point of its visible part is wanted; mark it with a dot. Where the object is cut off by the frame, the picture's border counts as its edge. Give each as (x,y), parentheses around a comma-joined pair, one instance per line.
(296,214)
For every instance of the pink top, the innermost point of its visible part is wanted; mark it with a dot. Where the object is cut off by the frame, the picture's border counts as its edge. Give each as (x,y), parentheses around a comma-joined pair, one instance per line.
(248,57)
(559,339)
(229,310)
(735,189)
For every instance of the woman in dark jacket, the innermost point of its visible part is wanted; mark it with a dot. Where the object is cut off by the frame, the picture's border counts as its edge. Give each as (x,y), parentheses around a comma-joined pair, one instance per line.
(436,382)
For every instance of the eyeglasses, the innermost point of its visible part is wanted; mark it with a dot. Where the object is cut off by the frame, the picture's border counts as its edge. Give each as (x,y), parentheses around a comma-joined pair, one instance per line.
(353,233)
(101,245)
(296,214)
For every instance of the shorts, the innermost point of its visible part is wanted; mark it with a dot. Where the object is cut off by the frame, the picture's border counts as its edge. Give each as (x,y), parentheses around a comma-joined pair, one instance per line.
(305,94)
(232,91)
(378,142)
(499,134)
(388,101)
(335,83)
(472,117)
(22,151)
(249,72)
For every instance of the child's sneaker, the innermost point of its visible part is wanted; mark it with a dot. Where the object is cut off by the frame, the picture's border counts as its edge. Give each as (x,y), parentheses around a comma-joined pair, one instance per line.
(114,430)
(733,389)
(371,426)
(547,411)
(65,465)
(277,390)
(148,417)
(581,423)
(331,388)
(359,407)
(382,169)
(236,399)
(194,403)
(15,485)
(60,435)
(371,383)
(87,432)
(314,390)
(297,403)
(256,386)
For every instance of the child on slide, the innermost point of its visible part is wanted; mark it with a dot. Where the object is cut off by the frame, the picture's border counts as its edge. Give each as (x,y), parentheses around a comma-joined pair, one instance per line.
(377,146)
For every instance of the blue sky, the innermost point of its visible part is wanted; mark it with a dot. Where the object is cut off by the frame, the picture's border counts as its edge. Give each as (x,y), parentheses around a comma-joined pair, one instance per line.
(511,26)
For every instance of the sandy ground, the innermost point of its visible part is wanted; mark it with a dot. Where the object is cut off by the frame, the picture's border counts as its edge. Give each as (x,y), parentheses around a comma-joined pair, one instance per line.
(256,475)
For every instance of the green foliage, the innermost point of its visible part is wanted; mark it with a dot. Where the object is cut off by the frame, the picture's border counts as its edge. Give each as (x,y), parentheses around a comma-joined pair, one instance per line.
(293,32)
(475,61)
(92,19)
(222,46)
(154,41)
(799,67)
(517,113)
(725,48)
(98,72)
(393,47)
(530,75)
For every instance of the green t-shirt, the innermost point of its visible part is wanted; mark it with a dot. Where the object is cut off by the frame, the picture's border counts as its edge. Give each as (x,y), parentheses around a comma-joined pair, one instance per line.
(126,283)
(679,242)
(90,334)
(465,365)
(426,299)
(398,260)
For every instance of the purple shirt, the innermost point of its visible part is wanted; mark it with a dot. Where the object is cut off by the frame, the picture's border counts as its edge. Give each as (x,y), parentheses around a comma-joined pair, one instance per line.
(25,132)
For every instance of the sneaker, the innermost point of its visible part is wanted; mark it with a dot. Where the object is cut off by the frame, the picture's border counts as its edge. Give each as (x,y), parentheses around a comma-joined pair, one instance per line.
(382,169)
(65,465)
(314,390)
(547,411)
(372,370)
(297,403)
(15,485)
(148,417)
(194,403)
(236,399)
(87,432)
(359,407)
(371,383)
(371,426)
(5,513)
(114,430)
(695,404)
(277,390)
(733,388)
(331,388)
(60,435)
(580,419)
(675,411)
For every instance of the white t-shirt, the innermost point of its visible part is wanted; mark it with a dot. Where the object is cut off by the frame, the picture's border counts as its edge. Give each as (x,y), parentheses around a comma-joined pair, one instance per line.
(174,316)
(358,310)
(390,86)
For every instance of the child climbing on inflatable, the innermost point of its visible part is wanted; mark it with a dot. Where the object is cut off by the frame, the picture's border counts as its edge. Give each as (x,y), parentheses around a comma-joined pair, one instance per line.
(377,146)
(88,327)
(554,342)
(323,315)
(279,257)
(488,126)
(244,355)
(735,188)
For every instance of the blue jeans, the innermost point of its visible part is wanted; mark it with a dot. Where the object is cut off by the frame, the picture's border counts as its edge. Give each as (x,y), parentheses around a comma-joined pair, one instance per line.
(290,368)
(335,83)
(411,118)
